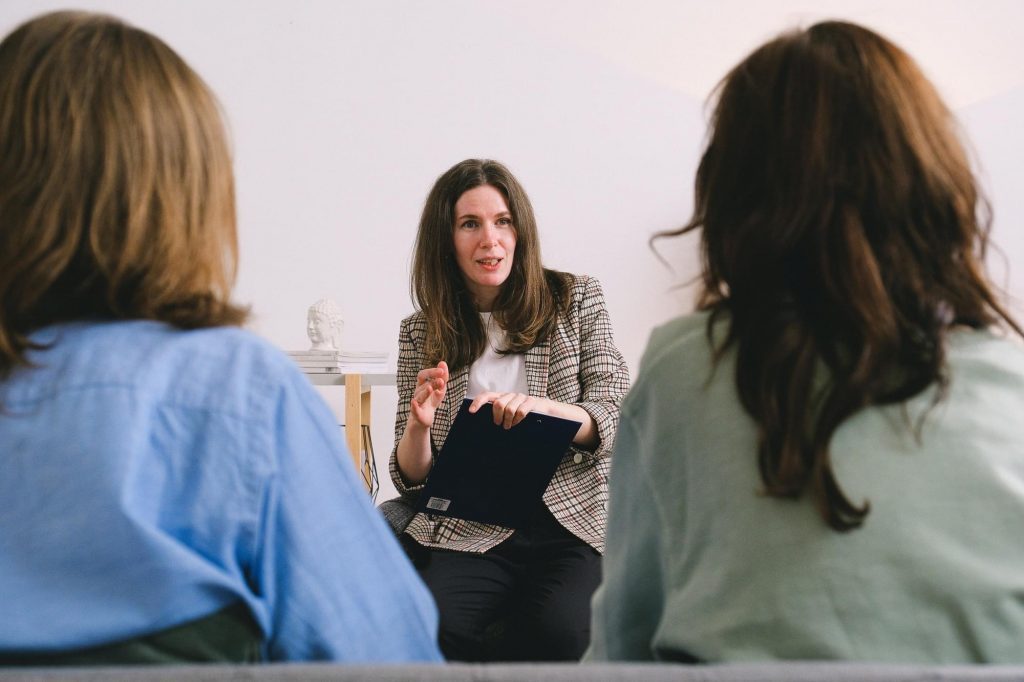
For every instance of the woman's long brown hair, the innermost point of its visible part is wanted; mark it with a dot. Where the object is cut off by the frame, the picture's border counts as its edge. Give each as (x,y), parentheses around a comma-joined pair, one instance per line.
(528,305)
(116,189)
(843,235)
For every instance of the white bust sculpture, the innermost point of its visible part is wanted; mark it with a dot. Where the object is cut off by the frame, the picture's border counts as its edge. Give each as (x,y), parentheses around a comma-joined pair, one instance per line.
(324,325)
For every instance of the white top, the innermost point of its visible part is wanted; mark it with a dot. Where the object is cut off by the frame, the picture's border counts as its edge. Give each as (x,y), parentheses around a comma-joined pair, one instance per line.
(493,371)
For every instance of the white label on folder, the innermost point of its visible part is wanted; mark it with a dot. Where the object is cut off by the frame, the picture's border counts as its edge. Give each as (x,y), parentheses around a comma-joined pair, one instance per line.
(438,503)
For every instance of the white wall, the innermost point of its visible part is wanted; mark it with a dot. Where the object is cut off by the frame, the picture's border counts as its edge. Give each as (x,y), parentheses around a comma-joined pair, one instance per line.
(344,113)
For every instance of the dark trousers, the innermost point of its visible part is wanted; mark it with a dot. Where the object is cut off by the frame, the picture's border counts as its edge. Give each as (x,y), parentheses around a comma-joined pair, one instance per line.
(230,635)
(528,599)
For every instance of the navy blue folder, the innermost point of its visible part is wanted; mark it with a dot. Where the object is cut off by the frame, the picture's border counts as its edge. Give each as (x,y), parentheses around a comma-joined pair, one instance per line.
(489,474)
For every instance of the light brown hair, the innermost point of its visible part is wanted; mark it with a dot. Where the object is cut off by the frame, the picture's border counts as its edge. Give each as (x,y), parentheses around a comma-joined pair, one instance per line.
(843,235)
(530,300)
(116,188)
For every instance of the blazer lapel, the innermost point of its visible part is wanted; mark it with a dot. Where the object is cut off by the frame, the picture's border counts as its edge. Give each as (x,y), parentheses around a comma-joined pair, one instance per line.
(537,359)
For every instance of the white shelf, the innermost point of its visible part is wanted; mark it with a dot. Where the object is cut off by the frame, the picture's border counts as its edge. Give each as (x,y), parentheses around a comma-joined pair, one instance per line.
(338,379)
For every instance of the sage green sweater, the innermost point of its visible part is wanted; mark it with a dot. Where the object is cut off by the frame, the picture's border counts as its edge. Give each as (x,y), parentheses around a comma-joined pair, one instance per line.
(699,562)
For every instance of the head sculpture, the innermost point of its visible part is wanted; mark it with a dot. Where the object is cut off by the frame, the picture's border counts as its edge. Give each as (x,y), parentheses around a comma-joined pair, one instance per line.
(324,325)
(843,235)
(116,189)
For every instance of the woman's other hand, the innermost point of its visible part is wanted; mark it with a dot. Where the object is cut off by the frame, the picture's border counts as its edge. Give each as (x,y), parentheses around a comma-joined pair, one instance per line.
(414,451)
(509,408)
(431,384)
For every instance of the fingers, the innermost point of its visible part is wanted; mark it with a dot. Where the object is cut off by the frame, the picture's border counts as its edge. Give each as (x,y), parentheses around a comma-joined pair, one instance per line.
(432,392)
(480,399)
(508,409)
(428,394)
(424,404)
(423,416)
(432,373)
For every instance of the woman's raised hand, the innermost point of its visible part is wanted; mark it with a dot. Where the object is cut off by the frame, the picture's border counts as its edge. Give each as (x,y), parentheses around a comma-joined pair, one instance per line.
(431,384)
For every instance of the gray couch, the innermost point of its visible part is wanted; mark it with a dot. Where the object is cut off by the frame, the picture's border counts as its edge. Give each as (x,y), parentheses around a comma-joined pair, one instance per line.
(526,672)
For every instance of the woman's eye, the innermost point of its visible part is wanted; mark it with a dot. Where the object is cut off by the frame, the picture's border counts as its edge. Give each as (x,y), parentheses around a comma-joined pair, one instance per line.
(505,221)
(469,224)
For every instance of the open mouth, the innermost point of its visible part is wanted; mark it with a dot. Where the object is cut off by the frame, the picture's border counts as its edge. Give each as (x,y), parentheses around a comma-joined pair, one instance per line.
(489,263)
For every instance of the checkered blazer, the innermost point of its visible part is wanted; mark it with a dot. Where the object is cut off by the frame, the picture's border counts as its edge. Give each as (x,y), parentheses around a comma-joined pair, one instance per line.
(578,364)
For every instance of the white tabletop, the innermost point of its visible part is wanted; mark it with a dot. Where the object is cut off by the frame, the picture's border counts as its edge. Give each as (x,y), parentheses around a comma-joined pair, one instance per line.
(338,379)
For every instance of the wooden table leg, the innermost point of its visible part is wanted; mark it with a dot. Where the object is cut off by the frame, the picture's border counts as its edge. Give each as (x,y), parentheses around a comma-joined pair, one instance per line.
(354,418)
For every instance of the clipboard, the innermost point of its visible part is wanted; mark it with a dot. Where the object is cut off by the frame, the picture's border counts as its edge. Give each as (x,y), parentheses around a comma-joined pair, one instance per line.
(492,475)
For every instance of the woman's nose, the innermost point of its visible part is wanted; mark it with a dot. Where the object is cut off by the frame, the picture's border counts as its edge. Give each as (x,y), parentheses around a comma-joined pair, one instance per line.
(488,235)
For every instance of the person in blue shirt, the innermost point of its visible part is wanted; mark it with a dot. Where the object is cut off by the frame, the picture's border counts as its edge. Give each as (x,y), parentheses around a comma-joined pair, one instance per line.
(173,488)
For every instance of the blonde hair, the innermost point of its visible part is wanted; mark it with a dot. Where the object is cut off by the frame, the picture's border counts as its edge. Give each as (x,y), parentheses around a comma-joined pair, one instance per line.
(116,189)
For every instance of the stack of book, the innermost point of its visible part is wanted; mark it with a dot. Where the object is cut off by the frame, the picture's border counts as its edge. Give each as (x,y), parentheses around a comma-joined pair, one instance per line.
(340,361)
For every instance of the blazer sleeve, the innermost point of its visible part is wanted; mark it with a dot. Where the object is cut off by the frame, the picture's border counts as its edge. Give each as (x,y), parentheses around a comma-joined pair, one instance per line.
(409,360)
(604,375)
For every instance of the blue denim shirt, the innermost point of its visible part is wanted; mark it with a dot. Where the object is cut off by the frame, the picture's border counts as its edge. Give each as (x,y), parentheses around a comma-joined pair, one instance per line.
(152,476)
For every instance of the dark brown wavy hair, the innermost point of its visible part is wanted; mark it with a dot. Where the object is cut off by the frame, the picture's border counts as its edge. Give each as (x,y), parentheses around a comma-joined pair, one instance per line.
(843,235)
(116,189)
(530,300)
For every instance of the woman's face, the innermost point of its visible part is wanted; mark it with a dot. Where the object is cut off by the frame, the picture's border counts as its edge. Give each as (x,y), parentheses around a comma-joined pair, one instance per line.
(485,242)
(315,326)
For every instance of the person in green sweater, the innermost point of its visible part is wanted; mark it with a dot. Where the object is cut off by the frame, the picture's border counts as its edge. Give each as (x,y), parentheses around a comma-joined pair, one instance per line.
(826,461)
